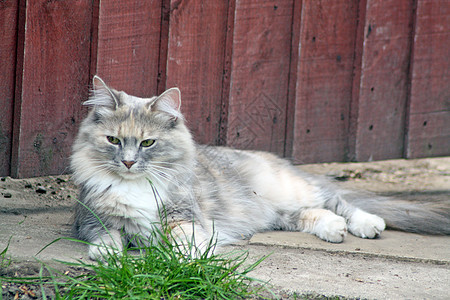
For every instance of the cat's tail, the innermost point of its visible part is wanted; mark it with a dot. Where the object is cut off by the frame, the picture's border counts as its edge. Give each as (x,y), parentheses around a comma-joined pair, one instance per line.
(431,218)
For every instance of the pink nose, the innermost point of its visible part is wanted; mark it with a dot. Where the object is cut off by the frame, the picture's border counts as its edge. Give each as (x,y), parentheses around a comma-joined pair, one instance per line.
(128,163)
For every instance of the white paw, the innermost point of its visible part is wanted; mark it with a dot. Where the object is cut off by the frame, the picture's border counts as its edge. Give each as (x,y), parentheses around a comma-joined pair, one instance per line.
(332,229)
(365,225)
(192,241)
(104,246)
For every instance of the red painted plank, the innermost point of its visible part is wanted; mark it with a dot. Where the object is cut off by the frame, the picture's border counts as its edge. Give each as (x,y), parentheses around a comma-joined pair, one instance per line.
(324,80)
(384,79)
(356,85)
(429,114)
(293,71)
(163,45)
(429,134)
(126,53)
(197,38)
(226,81)
(8,36)
(52,79)
(260,75)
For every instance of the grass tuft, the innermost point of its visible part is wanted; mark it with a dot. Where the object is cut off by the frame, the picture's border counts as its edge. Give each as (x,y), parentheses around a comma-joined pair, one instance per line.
(159,270)
(162,270)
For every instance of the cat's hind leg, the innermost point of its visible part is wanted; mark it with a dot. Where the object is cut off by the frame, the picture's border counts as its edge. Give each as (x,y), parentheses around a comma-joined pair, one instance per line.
(365,225)
(324,224)
(360,223)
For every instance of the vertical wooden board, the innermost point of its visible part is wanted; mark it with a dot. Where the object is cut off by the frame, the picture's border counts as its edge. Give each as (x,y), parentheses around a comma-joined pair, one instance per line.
(384,79)
(429,134)
(324,80)
(293,71)
(195,62)
(226,81)
(356,84)
(163,46)
(126,52)
(429,111)
(52,81)
(260,75)
(8,36)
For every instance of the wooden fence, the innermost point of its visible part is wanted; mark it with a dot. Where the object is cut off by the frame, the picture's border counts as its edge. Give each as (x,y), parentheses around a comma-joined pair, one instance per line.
(315,81)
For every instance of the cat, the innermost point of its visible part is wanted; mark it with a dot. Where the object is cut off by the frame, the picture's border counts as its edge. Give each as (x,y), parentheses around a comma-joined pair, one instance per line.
(133,156)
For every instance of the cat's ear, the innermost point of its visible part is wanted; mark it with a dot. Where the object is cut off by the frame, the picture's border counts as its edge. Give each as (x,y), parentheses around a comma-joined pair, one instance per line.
(101,94)
(168,102)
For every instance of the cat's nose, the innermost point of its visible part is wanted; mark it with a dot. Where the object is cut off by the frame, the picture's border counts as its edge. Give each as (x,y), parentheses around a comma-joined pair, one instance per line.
(128,163)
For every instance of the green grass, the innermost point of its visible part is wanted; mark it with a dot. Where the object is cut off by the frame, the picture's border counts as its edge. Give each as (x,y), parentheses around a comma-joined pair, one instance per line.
(5,261)
(161,269)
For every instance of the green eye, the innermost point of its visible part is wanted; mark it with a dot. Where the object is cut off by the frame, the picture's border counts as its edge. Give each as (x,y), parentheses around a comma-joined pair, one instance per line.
(113,140)
(147,143)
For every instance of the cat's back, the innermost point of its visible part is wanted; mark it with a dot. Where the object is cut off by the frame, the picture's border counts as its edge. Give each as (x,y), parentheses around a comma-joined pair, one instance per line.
(243,173)
(233,161)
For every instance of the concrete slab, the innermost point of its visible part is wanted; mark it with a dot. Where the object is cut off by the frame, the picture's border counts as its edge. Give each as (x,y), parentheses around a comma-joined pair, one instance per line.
(354,276)
(391,244)
(29,236)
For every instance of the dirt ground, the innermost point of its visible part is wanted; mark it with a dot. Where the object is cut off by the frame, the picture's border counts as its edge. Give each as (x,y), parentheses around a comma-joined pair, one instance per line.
(23,199)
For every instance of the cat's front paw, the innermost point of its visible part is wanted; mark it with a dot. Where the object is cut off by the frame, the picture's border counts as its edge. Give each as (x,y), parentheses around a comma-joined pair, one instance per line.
(332,229)
(104,246)
(365,225)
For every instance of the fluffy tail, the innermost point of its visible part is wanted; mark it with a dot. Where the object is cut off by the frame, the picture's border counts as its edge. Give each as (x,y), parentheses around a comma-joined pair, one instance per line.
(431,218)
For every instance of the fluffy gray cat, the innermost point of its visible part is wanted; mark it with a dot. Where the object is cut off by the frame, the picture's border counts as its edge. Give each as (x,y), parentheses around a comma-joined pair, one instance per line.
(133,156)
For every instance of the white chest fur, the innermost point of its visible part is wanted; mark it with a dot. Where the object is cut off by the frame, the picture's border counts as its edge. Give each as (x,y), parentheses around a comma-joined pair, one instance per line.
(133,202)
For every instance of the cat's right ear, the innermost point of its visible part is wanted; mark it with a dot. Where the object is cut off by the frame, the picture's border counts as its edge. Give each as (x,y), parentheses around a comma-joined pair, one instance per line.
(101,95)
(168,102)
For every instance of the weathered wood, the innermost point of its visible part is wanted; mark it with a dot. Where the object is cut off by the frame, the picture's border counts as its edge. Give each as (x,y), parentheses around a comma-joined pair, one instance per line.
(260,75)
(8,37)
(384,80)
(52,81)
(126,51)
(314,80)
(163,45)
(226,81)
(429,110)
(324,80)
(356,78)
(195,62)
(293,71)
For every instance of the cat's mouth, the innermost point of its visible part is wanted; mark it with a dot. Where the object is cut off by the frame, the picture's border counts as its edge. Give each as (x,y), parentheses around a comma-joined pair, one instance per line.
(130,174)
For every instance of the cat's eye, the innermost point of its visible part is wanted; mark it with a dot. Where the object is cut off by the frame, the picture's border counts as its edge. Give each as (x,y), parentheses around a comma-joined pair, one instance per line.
(113,140)
(147,143)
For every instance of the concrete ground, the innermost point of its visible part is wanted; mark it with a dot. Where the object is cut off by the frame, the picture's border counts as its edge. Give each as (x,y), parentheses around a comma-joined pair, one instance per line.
(35,212)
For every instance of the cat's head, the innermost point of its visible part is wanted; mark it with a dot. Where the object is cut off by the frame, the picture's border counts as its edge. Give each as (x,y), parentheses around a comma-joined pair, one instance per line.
(131,137)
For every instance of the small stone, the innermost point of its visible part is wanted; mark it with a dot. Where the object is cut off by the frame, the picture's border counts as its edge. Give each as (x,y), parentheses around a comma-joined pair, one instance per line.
(60,180)
(41,190)
(7,195)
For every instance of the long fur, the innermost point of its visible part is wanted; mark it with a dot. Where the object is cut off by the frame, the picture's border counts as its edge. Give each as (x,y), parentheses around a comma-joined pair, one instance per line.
(133,156)
(431,218)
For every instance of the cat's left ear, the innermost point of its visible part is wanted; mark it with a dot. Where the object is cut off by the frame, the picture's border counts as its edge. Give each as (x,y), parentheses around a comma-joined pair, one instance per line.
(168,102)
